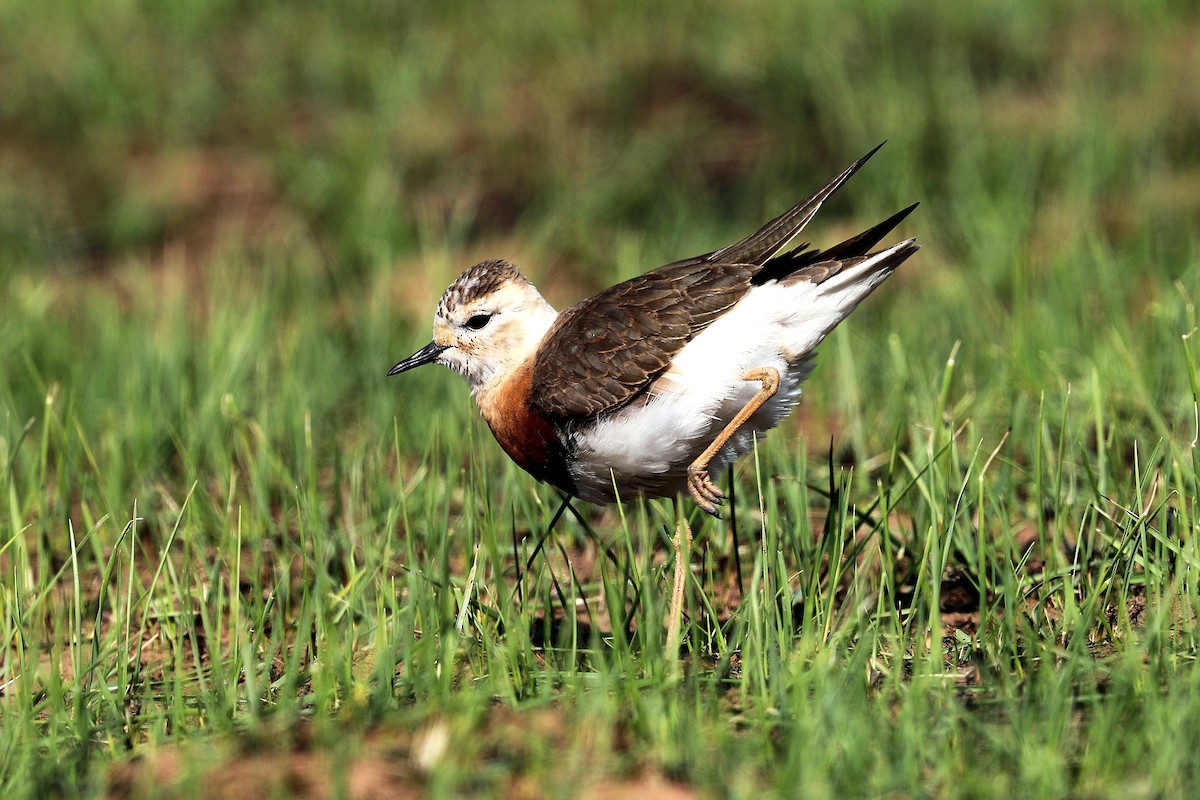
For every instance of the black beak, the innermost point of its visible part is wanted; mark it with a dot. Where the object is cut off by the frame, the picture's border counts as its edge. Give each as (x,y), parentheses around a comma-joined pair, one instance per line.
(425,355)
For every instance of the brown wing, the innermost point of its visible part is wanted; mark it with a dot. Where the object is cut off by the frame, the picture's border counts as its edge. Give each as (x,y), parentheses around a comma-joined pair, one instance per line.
(603,352)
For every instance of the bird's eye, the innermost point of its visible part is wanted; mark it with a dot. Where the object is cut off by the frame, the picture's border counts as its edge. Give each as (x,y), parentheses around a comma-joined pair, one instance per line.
(478,321)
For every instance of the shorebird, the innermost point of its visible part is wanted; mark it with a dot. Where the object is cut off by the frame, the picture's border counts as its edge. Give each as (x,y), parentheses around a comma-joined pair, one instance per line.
(655,385)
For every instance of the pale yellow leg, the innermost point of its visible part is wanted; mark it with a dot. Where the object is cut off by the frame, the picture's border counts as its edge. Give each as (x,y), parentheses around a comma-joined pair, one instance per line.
(700,483)
(683,545)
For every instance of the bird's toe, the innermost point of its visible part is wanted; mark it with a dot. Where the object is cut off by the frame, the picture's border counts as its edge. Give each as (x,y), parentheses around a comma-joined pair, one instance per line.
(704,491)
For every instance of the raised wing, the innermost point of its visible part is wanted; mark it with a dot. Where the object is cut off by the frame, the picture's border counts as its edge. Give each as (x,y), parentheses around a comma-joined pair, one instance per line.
(603,352)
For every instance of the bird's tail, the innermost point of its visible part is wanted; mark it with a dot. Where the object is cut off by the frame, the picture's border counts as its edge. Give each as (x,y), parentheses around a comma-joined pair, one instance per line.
(831,289)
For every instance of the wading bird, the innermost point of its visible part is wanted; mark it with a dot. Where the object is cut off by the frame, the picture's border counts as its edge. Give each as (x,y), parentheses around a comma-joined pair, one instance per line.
(657,384)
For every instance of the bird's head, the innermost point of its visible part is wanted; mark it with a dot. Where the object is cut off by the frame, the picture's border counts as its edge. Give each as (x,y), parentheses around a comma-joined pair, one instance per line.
(488,322)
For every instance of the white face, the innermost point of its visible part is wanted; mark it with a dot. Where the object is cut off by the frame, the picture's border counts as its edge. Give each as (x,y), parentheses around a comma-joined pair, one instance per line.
(487,336)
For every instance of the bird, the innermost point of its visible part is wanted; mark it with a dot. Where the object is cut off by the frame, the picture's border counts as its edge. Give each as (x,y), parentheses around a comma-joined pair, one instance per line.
(658,384)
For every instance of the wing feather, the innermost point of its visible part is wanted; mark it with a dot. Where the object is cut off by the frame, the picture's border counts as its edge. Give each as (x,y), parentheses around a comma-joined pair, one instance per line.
(605,351)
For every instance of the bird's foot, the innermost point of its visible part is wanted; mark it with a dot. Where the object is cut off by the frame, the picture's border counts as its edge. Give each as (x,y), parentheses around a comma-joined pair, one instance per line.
(703,490)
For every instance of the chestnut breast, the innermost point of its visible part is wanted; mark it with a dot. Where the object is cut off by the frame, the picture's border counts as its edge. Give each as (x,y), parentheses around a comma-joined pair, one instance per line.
(526,435)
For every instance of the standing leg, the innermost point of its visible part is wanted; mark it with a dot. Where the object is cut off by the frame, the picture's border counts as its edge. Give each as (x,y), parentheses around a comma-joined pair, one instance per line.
(541,542)
(683,546)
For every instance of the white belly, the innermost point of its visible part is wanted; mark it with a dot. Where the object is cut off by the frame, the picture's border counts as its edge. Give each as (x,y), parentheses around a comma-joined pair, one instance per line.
(647,449)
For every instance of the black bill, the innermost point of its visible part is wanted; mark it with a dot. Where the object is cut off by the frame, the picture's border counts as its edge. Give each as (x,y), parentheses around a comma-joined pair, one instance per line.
(425,355)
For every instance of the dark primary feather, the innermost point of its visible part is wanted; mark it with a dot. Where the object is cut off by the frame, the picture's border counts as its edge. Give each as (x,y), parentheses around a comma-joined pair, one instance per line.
(766,241)
(603,352)
(798,259)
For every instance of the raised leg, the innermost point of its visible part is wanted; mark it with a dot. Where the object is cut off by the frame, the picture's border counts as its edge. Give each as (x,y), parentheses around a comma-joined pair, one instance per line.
(700,483)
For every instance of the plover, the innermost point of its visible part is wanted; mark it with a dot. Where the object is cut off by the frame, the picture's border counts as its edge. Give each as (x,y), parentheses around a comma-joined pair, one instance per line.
(657,384)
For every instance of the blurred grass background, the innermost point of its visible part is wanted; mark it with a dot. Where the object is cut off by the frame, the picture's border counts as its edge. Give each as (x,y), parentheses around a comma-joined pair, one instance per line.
(1053,149)
(220,224)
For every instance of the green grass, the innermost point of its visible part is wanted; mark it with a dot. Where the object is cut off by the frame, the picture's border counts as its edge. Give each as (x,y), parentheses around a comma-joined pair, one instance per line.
(234,559)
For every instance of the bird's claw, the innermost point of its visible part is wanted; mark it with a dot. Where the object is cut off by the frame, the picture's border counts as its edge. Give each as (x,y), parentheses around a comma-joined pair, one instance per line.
(704,491)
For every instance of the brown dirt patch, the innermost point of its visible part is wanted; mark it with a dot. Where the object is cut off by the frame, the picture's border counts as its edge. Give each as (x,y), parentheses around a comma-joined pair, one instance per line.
(317,775)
